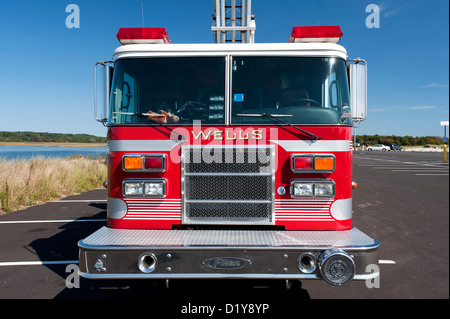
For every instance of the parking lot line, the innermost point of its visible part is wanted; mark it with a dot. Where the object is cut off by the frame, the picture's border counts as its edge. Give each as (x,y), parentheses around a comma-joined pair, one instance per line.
(79,201)
(386,262)
(38,263)
(51,221)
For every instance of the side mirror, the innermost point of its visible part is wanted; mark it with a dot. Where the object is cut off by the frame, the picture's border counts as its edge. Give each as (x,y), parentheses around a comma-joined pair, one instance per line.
(358,89)
(102,90)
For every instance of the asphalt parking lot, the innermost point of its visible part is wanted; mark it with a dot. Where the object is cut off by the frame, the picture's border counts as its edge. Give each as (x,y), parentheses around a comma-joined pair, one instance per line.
(402,200)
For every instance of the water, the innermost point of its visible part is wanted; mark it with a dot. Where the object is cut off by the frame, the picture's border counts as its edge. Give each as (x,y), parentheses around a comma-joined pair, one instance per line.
(27,152)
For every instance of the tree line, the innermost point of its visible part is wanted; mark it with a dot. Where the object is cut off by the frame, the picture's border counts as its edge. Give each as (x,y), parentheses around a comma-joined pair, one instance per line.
(44,137)
(400,140)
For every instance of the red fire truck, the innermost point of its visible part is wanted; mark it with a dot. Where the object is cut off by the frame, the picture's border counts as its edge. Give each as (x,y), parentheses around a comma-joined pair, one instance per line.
(230,160)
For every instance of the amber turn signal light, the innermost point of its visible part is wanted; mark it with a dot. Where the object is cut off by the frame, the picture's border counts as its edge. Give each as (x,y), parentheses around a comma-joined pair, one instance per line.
(324,163)
(132,163)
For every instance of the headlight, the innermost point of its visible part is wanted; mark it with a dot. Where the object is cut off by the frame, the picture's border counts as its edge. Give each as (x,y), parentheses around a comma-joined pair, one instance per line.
(303,189)
(313,188)
(133,188)
(155,189)
(323,189)
(150,188)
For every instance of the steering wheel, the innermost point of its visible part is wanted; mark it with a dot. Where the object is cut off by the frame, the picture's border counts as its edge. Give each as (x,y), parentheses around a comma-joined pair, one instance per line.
(292,103)
(192,106)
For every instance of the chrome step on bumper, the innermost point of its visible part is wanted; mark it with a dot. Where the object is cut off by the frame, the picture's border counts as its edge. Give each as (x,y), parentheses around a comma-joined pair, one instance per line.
(336,256)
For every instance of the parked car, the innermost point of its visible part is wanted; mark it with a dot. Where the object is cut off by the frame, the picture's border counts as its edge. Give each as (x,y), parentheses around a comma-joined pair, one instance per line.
(396,147)
(378,147)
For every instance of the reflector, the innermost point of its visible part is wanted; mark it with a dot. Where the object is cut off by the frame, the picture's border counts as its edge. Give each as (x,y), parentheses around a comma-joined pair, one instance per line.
(327,34)
(142,35)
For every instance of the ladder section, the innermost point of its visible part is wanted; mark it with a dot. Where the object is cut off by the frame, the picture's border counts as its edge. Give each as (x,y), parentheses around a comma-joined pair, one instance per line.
(233,22)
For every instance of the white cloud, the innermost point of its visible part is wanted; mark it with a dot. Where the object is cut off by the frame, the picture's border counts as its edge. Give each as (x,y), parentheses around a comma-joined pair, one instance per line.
(434,85)
(404,108)
(421,107)
(386,11)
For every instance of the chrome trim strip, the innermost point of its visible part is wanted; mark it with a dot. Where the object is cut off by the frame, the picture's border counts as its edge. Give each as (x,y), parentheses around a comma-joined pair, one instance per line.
(228,174)
(350,248)
(314,146)
(141,145)
(217,276)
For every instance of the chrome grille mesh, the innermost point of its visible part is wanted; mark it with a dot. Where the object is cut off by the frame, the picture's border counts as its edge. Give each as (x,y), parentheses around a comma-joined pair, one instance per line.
(228,185)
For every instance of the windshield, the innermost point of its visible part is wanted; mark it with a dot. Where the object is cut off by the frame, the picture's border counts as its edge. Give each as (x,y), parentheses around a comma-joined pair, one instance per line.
(300,90)
(168,90)
(181,90)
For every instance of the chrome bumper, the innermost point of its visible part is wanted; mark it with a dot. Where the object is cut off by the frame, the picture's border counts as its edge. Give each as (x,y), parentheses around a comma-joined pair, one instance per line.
(115,253)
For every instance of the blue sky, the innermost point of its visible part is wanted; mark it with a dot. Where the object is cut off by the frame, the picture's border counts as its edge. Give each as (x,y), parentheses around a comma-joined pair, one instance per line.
(46,70)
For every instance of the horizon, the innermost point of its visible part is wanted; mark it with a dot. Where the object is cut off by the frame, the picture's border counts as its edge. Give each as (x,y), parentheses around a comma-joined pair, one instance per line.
(47,82)
(376,134)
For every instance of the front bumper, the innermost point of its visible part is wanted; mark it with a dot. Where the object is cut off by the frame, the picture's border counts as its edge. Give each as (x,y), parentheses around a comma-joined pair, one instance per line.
(120,253)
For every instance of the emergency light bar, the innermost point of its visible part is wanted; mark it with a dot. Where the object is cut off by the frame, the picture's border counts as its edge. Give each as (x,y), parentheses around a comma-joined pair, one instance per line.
(323,34)
(143,36)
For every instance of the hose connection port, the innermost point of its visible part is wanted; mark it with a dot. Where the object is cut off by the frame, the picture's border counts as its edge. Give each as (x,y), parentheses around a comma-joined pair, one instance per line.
(307,263)
(147,262)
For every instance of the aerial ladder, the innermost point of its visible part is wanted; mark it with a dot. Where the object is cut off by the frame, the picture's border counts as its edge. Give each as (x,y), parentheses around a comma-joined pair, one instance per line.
(233,21)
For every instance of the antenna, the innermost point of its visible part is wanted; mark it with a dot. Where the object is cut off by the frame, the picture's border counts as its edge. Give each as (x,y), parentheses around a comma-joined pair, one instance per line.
(142,8)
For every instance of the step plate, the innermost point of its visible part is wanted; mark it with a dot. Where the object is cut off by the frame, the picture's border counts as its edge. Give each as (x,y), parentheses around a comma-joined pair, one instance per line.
(105,236)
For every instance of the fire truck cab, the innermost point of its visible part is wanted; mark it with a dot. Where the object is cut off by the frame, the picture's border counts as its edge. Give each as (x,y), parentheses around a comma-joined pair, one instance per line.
(230,160)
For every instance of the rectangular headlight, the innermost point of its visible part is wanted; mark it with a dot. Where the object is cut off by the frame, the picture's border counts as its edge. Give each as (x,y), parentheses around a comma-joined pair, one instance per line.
(313,188)
(133,188)
(324,189)
(157,189)
(303,189)
(149,187)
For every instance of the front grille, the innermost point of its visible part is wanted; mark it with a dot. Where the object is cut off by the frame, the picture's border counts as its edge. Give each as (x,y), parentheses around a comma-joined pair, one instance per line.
(228,185)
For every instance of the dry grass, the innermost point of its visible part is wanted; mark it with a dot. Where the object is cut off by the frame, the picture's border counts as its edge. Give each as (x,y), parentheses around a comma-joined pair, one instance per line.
(29,182)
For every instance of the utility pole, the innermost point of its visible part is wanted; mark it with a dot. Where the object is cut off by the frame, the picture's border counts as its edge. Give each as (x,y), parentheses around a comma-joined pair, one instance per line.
(233,21)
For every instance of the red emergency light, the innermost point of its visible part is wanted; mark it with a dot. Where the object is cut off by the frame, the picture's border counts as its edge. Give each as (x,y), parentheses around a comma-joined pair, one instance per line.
(323,34)
(143,35)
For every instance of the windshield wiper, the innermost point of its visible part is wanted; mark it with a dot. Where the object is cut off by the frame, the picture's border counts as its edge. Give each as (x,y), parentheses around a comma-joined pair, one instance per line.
(277,117)
(143,115)
(147,116)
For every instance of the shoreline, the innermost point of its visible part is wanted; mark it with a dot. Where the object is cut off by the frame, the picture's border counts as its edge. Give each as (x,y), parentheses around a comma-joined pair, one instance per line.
(55,144)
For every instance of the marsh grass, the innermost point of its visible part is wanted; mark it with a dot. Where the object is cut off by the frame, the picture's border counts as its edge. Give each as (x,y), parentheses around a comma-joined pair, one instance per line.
(38,180)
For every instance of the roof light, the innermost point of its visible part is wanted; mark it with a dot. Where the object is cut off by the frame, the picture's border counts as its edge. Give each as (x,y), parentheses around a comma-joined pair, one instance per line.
(143,35)
(324,34)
